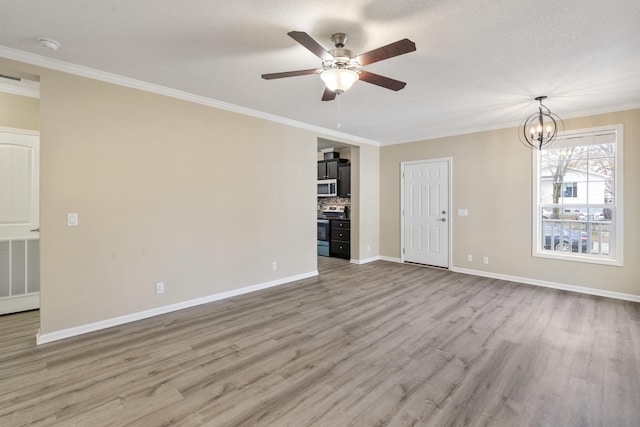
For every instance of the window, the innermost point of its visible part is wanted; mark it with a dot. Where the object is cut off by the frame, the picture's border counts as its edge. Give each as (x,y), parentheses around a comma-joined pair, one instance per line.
(578,197)
(570,189)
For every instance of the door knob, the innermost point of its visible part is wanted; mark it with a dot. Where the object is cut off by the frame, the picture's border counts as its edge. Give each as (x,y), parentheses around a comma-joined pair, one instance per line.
(444,220)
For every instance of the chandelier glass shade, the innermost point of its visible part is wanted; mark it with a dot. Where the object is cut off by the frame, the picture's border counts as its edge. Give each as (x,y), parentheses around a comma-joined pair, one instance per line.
(339,80)
(540,129)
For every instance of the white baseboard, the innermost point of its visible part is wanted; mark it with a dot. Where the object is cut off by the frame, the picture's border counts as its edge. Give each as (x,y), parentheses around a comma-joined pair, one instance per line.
(365,261)
(391,259)
(19,303)
(554,285)
(103,324)
(108,323)
(536,282)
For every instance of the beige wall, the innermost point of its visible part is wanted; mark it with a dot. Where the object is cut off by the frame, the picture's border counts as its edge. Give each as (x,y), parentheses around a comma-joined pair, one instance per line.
(492,179)
(19,112)
(201,199)
(356,211)
(166,190)
(368,184)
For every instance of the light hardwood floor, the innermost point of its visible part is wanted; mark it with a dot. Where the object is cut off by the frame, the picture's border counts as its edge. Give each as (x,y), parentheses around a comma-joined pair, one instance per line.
(371,345)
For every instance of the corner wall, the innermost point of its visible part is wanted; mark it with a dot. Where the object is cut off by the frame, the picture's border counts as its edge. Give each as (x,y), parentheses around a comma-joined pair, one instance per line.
(166,190)
(20,112)
(369,197)
(492,178)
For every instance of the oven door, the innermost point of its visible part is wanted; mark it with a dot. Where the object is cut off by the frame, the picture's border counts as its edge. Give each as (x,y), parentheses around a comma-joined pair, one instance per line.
(323,230)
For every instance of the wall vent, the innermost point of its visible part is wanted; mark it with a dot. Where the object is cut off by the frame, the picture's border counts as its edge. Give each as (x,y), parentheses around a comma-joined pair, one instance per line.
(4,76)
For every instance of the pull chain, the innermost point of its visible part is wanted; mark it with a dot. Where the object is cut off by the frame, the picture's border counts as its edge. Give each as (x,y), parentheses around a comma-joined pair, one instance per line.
(339,110)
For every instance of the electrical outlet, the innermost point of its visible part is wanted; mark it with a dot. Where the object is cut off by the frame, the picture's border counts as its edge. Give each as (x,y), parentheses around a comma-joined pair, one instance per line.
(369,248)
(72,219)
(485,260)
(469,258)
(274,266)
(160,288)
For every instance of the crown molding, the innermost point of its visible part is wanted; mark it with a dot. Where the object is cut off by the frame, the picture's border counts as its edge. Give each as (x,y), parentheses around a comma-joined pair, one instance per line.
(92,73)
(510,124)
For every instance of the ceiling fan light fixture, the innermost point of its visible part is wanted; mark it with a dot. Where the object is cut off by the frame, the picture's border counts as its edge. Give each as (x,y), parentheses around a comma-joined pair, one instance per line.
(341,68)
(339,80)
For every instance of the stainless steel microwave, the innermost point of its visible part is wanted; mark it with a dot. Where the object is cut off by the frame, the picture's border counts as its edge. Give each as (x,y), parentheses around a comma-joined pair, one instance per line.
(327,188)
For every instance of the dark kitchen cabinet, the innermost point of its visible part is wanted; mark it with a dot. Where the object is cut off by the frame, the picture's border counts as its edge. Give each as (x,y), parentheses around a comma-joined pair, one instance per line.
(328,169)
(323,170)
(344,181)
(340,244)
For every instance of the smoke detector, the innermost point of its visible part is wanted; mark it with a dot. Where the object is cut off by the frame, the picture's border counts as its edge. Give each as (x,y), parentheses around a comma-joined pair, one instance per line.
(49,43)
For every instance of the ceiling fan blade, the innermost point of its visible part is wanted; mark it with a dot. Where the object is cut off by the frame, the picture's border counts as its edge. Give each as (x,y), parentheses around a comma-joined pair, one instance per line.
(314,47)
(328,95)
(389,51)
(381,81)
(290,74)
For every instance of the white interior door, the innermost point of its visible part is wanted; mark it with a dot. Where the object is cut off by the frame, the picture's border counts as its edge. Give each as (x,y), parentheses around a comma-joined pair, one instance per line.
(425,189)
(19,220)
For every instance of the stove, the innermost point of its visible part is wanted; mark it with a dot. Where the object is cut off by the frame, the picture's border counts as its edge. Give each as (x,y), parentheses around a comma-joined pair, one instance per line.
(335,212)
(324,226)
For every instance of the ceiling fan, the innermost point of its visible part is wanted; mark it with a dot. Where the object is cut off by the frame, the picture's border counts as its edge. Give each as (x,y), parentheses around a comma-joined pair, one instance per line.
(341,68)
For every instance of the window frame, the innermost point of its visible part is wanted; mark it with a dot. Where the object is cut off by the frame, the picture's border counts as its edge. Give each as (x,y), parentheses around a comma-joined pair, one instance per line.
(615,256)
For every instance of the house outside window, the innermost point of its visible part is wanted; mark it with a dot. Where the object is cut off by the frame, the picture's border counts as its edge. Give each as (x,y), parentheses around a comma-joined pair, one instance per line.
(578,197)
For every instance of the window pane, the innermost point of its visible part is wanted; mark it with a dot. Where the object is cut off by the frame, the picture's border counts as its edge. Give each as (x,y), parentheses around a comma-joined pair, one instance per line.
(564,236)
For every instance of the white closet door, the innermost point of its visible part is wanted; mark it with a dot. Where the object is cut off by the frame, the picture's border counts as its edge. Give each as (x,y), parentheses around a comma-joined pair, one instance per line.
(19,220)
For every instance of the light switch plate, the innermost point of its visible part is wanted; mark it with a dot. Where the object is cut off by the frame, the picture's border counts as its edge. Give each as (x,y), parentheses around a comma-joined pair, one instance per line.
(72,219)
(463,212)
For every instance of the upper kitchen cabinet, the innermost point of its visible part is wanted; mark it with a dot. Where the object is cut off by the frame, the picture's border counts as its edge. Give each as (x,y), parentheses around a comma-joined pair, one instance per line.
(344,181)
(328,169)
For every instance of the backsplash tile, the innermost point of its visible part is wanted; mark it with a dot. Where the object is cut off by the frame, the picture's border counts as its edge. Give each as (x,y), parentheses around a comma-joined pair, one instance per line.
(333,201)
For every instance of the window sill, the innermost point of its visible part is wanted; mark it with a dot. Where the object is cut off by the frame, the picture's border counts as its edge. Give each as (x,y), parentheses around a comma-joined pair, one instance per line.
(569,256)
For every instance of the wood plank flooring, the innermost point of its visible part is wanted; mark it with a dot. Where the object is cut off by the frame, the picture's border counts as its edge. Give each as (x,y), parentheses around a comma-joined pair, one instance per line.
(371,345)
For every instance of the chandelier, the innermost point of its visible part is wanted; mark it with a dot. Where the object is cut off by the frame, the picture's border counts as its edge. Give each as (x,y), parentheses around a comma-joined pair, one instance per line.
(540,129)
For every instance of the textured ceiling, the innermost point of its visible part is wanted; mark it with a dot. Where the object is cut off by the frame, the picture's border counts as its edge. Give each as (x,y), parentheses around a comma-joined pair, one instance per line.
(478,63)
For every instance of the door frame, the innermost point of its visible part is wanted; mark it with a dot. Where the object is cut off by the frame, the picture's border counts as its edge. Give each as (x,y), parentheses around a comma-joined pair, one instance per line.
(28,301)
(449,161)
